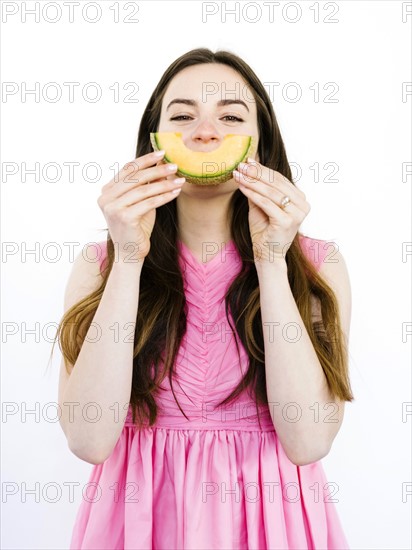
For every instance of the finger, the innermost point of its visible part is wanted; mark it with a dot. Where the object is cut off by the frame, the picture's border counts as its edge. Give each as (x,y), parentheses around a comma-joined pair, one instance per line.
(145,161)
(271,178)
(157,173)
(271,193)
(134,166)
(135,196)
(169,177)
(255,170)
(143,207)
(270,208)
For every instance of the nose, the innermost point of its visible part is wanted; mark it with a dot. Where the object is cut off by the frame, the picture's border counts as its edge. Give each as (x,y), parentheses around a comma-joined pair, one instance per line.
(205,132)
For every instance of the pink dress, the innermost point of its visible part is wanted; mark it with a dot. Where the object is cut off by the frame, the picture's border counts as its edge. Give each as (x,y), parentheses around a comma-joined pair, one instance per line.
(216,481)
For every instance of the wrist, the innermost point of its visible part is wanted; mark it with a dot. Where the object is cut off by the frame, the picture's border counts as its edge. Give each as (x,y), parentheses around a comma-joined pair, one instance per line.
(274,266)
(127,263)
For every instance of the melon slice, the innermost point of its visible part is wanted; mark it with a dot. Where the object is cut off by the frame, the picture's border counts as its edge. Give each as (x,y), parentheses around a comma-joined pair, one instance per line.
(204,168)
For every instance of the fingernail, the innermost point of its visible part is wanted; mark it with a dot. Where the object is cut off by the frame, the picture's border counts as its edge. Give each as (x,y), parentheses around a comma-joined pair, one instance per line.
(159,153)
(252,161)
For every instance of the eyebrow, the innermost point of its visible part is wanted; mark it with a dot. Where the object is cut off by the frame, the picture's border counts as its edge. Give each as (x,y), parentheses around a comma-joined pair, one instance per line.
(221,103)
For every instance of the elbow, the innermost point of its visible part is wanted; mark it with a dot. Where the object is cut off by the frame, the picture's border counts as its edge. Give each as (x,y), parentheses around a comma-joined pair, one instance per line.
(92,456)
(305,458)
(88,447)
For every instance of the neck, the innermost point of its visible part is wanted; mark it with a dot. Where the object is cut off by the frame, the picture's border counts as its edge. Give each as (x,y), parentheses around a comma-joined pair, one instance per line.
(203,220)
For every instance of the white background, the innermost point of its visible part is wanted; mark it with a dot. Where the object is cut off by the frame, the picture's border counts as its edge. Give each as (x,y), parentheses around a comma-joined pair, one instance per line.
(366,212)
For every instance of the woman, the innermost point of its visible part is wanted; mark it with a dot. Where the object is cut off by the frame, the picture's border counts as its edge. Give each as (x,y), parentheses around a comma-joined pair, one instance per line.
(236,376)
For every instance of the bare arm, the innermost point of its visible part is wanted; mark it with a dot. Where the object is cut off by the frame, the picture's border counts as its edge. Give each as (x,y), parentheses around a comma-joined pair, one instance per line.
(294,375)
(102,374)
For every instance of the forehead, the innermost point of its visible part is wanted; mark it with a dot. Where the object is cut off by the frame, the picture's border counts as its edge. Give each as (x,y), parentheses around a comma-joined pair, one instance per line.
(209,83)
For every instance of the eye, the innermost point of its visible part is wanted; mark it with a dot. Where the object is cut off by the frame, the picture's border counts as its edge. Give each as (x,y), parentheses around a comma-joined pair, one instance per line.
(179,117)
(236,119)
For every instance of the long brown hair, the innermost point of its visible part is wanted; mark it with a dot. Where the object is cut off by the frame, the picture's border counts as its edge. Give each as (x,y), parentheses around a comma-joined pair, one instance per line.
(161,319)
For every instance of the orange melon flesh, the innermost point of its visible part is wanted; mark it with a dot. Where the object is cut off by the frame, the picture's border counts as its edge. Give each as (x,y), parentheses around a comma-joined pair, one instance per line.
(204,168)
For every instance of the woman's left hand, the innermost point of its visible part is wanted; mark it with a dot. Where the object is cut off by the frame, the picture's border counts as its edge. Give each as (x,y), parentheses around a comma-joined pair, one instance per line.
(272,228)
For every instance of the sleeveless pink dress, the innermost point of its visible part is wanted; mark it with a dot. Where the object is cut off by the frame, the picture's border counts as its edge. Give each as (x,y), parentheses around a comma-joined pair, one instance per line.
(217,480)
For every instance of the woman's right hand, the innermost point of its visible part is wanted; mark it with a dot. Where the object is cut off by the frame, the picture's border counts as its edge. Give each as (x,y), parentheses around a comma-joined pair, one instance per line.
(129,203)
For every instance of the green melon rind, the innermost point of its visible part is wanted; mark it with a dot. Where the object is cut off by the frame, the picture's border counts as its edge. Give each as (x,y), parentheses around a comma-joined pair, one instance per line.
(206,180)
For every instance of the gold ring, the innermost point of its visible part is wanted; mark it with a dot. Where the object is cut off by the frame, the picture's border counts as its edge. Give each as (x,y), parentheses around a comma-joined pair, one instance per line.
(285,201)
